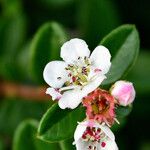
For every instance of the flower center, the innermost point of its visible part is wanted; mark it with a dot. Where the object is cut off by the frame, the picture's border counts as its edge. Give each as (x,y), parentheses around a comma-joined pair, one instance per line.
(79,72)
(100,105)
(93,135)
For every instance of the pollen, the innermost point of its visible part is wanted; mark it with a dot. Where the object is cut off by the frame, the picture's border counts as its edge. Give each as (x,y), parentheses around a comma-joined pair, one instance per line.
(79,71)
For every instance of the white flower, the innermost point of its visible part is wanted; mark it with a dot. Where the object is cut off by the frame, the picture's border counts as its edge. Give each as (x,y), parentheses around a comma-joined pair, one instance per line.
(79,74)
(93,136)
(124,92)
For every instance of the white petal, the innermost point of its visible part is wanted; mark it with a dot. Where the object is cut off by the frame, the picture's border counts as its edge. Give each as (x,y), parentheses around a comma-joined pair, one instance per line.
(81,145)
(55,74)
(110,145)
(100,59)
(55,94)
(74,49)
(79,131)
(107,131)
(70,99)
(92,85)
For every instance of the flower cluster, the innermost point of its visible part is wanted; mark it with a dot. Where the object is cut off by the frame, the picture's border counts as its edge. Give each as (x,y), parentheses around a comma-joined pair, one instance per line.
(76,80)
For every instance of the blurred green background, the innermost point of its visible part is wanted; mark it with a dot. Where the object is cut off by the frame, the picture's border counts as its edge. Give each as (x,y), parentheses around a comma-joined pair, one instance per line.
(21,20)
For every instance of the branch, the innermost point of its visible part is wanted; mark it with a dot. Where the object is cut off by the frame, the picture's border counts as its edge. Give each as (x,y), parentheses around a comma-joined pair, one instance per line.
(11,90)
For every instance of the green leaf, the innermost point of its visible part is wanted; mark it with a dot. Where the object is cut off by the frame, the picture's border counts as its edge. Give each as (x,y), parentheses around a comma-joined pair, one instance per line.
(25,138)
(123,44)
(56,3)
(11,7)
(45,47)
(96,18)
(13,111)
(67,144)
(12,36)
(1,144)
(116,127)
(122,111)
(58,124)
(22,63)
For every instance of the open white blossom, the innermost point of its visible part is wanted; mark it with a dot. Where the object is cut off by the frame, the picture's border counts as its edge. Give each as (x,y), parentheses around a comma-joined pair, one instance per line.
(79,74)
(93,136)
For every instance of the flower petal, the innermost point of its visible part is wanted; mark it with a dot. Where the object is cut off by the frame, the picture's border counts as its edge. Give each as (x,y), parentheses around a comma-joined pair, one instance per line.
(81,145)
(55,74)
(54,93)
(107,131)
(100,59)
(110,145)
(92,85)
(70,99)
(79,131)
(74,49)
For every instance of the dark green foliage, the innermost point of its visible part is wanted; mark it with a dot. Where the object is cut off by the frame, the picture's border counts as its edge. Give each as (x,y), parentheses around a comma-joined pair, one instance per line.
(58,124)
(123,44)
(25,138)
(13,111)
(122,111)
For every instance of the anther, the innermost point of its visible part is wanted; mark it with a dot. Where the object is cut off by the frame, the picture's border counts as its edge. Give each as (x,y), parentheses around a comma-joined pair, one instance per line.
(59,78)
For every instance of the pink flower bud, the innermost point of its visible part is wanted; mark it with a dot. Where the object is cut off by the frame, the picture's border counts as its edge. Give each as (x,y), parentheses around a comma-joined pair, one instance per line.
(124,92)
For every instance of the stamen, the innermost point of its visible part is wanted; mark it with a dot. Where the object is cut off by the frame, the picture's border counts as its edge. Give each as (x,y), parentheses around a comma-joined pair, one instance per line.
(79,73)
(97,70)
(59,78)
(103,144)
(73,79)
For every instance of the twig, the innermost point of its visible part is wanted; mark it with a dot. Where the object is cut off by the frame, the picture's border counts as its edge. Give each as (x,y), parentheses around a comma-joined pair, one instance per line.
(10,90)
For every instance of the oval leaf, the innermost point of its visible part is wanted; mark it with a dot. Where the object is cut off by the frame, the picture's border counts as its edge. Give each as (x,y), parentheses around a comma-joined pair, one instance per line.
(57,125)
(123,44)
(25,138)
(45,47)
(123,111)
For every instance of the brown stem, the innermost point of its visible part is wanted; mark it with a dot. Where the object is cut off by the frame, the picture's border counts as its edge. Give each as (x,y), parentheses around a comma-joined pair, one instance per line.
(9,89)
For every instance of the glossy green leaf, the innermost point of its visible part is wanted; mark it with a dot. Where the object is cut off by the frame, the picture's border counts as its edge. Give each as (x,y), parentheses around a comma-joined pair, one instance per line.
(123,44)
(96,18)
(25,138)
(122,122)
(45,47)
(122,111)
(67,144)
(58,124)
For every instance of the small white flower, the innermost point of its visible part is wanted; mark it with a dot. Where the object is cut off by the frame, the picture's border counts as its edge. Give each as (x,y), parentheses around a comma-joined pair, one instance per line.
(124,92)
(79,74)
(93,136)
